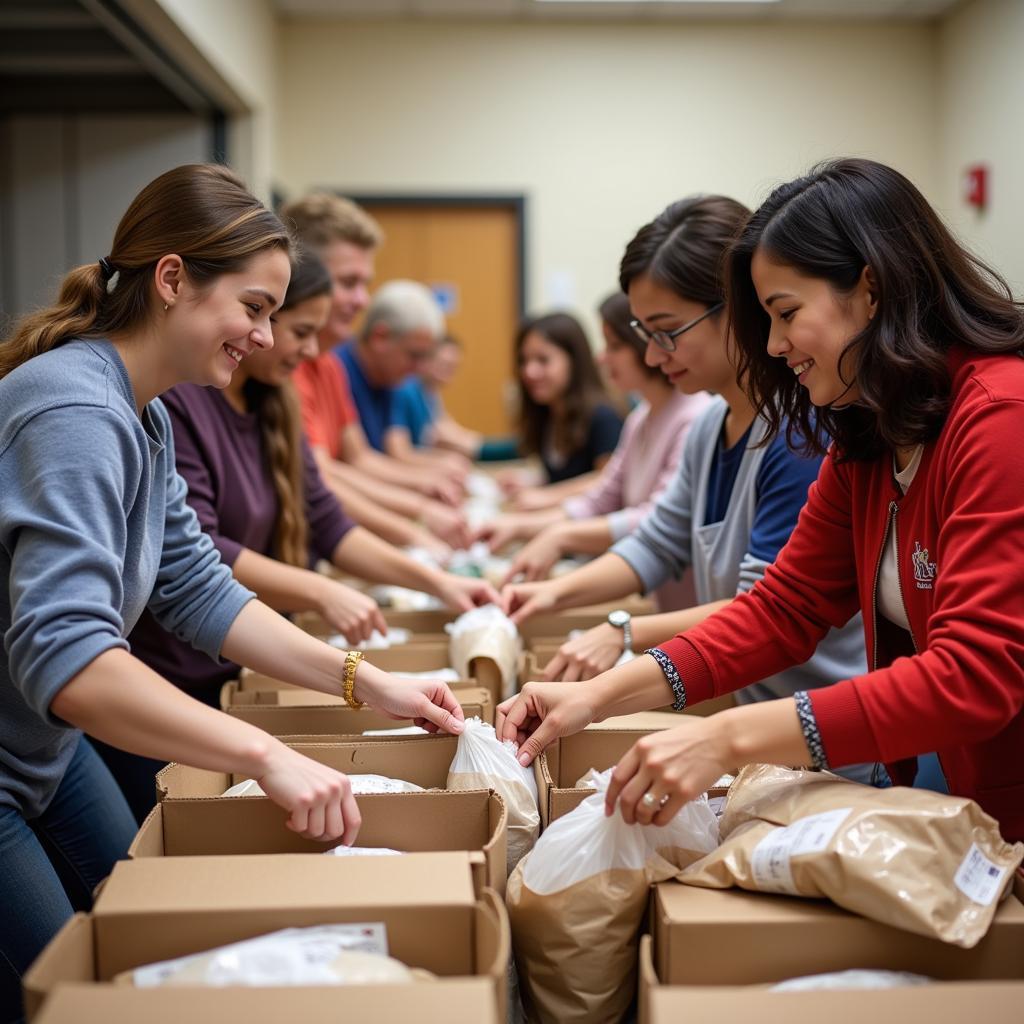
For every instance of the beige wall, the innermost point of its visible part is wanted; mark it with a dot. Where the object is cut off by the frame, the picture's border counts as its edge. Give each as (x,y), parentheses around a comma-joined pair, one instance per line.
(981,118)
(600,125)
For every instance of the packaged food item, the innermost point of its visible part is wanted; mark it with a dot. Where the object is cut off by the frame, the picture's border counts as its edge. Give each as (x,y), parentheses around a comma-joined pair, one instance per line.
(353,954)
(482,761)
(576,903)
(838,980)
(922,861)
(486,632)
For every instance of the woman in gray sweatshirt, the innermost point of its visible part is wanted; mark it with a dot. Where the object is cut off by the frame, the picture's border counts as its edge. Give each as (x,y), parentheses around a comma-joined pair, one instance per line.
(94,528)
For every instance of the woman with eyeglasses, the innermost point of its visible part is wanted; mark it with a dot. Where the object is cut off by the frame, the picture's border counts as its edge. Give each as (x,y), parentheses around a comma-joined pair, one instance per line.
(734,501)
(643,464)
(863,322)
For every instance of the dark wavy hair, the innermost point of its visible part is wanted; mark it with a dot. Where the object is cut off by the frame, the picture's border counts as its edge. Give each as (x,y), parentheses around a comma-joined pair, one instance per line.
(931,293)
(583,395)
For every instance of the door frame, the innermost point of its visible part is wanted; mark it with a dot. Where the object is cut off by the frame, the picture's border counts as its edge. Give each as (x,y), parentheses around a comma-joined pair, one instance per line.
(513,201)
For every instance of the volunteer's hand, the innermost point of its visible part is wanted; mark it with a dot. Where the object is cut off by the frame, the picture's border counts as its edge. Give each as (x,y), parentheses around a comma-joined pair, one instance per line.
(536,558)
(520,601)
(532,499)
(439,486)
(502,531)
(466,592)
(542,712)
(428,702)
(447,523)
(586,656)
(421,538)
(351,613)
(679,763)
(512,481)
(318,799)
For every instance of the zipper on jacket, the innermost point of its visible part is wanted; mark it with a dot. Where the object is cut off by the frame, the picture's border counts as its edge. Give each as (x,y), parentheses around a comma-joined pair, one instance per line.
(874,587)
(894,508)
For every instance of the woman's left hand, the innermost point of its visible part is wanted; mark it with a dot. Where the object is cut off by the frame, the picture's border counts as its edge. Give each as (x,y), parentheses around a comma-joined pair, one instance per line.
(673,766)
(466,592)
(535,559)
(428,702)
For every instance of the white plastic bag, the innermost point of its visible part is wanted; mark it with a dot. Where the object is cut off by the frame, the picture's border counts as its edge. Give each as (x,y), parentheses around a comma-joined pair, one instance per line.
(482,761)
(369,783)
(577,901)
(402,730)
(361,851)
(322,955)
(486,632)
(250,787)
(445,675)
(838,980)
(396,636)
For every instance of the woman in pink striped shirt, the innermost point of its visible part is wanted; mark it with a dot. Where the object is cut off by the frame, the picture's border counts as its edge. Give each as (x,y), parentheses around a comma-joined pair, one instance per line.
(642,465)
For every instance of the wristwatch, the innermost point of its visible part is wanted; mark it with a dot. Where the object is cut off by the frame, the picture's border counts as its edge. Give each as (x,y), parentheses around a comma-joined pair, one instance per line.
(621,619)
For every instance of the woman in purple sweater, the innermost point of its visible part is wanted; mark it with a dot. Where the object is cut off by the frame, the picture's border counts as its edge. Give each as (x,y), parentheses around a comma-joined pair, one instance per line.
(257,492)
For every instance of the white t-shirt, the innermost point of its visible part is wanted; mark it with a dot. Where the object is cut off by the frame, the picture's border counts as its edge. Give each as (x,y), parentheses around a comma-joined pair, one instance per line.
(890,600)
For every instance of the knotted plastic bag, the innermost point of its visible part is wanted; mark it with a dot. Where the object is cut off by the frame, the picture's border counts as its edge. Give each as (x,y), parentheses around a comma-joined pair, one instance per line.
(486,632)
(482,761)
(926,862)
(577,901)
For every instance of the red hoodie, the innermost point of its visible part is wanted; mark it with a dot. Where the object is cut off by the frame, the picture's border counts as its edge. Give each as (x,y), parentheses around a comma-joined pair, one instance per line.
(960,540)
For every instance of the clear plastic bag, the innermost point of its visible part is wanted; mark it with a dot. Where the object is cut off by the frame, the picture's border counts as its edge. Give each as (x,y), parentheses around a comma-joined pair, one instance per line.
(323,955)
(486,632)
(482,761)
(577,901)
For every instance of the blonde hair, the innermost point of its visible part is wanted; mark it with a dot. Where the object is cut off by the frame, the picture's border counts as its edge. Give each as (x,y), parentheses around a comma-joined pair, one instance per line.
(202,212)
(320,218)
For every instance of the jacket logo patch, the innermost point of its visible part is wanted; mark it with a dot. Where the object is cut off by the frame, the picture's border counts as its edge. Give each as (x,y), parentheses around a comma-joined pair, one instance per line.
(924,571)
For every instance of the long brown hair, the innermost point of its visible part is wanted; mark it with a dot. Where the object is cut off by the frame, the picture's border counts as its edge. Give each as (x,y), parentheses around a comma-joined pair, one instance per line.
(202,212)
(582,395)
(280,420)
(932,293)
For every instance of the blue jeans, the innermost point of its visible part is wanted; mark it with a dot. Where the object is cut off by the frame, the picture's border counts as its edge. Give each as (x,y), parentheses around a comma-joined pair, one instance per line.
(50,866)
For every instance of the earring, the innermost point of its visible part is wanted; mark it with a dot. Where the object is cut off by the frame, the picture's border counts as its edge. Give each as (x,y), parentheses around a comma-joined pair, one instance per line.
(166,307)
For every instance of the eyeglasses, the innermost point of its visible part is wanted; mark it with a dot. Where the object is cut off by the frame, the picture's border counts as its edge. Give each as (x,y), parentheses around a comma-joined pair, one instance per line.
(666,340)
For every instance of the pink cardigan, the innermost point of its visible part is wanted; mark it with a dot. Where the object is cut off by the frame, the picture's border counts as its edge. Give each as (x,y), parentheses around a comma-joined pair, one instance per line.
(644,461)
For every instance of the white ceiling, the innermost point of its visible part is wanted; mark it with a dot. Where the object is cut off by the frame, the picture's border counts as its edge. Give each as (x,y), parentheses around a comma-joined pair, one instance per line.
(561,9)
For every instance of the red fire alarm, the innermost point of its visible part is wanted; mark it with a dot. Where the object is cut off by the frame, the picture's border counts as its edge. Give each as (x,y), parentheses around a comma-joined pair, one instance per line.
(976,186)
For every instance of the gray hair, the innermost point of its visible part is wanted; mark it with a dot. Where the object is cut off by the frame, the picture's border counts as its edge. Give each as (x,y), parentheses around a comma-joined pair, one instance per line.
(404,306)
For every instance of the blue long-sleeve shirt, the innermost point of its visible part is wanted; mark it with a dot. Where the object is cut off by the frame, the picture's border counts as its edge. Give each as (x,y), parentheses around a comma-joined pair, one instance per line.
(94,528)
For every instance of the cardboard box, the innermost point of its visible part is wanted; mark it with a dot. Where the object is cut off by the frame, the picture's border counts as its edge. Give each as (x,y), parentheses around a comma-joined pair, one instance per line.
(474,821)
(733,937)
(446,1001)
(289,712)
(155,910)
(947,1003)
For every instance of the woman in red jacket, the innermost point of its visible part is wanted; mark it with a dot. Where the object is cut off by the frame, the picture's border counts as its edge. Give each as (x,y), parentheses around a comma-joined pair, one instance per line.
(859,317)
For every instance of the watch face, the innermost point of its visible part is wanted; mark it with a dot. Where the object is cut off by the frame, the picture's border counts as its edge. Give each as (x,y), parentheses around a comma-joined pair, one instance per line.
(618,618)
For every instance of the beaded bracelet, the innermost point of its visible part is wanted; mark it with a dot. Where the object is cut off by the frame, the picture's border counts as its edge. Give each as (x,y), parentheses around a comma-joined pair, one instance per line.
(352,660)
(672,675)
(809,726)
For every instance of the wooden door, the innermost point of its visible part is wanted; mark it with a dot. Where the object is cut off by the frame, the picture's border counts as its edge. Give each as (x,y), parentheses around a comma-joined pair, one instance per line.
(470,254)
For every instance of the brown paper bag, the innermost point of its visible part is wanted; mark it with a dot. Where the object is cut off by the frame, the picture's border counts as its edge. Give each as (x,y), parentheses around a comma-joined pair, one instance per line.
(922,861)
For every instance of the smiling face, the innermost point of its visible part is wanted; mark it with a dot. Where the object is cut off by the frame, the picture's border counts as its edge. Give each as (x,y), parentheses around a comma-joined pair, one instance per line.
(212,328)
(701,361)
(351,270)
(295,341)
(544,368)
(811,325)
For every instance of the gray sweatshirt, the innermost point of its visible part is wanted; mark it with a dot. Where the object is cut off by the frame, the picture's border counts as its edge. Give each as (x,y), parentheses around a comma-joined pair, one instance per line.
(94,528)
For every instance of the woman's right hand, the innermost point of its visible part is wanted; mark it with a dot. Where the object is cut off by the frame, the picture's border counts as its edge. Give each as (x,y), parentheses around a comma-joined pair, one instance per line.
(318,799)
(447,523)
(520,601)
(351,613)
(542,712)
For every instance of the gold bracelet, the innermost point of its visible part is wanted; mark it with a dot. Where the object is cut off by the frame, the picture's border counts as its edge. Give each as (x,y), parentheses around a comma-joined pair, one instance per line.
(352,660)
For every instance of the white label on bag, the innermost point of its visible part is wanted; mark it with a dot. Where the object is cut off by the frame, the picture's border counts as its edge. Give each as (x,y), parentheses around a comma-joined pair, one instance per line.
(978,878)
(772,856)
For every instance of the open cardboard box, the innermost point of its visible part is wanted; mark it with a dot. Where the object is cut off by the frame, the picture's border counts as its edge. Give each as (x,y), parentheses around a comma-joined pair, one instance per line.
(730,937)
(950,1002)
(153,910)
(446,1001)
(304,712)
(472,820)
(599,746)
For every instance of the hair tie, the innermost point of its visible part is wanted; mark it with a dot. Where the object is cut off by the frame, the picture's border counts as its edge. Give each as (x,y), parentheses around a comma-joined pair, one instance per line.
(109,274)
